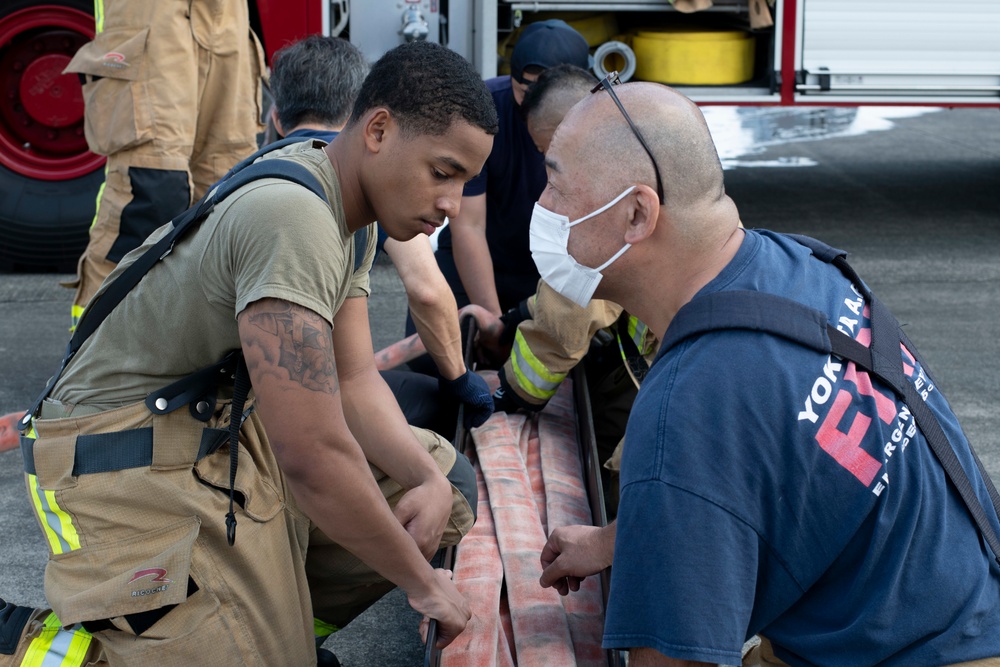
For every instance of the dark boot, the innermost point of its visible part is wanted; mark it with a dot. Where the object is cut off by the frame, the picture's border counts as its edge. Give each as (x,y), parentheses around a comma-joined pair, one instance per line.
(12,621)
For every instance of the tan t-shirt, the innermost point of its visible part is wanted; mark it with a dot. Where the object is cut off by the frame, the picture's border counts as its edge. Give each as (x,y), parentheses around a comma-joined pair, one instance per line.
(271,238)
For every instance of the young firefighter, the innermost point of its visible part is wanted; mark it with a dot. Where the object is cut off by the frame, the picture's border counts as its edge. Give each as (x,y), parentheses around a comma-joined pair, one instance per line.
(315,82)
(128,494)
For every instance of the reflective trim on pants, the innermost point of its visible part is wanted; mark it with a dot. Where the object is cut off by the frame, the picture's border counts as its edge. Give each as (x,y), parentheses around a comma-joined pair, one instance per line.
(98,16)
(56,647)
(56,524)
(322,630)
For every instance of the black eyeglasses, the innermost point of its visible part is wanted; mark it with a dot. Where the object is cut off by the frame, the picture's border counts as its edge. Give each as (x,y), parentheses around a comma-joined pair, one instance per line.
(606,83)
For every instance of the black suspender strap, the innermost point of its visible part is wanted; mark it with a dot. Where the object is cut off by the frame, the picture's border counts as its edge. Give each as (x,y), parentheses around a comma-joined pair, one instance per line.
(779,316)
(867,358)
(102,305)
(195,384)
(241,388)
(360,246)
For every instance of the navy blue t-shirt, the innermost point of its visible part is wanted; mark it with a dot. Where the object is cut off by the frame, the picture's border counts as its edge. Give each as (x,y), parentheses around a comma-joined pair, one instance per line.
(767,488)
(512,178)
(306,133)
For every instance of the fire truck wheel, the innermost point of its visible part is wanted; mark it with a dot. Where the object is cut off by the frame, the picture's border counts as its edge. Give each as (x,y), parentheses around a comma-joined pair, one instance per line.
(44,225)
(48,177)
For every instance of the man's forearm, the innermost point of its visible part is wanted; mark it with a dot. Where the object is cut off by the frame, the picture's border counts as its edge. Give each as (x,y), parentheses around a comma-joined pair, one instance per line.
(475,267)
(336,490)
(436,320)
(289,354)
(432,303)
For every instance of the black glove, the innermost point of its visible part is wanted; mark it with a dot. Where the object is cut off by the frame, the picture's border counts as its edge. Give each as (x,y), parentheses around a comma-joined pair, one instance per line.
(473,391)
(511,319)
(506,400)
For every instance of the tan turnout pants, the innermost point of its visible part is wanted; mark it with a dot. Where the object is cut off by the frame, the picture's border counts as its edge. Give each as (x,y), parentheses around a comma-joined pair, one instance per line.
(172,93)
(146,546)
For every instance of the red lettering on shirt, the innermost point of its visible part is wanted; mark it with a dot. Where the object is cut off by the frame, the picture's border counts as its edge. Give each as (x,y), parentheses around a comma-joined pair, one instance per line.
(908,368)
(845,448)
(864,336)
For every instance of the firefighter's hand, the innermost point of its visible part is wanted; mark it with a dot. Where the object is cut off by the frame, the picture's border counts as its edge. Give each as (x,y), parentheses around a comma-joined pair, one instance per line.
(511,319)
(444,604)
(505,400)
(573,553)
(502,402)
(474,393)
(494,342)
(424,512)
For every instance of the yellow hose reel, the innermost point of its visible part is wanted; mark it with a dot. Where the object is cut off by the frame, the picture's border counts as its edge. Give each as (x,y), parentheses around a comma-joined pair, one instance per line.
(693,57)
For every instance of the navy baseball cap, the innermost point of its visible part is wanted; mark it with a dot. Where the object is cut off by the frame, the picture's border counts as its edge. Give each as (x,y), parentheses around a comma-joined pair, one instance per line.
(546,44)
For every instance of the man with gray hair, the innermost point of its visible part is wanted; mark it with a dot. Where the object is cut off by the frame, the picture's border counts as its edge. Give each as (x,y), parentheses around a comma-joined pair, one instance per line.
(314,83)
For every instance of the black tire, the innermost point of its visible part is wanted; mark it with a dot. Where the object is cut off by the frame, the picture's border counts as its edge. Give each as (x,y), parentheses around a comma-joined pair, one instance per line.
(44,225)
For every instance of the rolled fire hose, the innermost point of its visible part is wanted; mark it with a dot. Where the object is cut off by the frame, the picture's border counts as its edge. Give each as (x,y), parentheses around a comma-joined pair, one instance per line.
(616,52)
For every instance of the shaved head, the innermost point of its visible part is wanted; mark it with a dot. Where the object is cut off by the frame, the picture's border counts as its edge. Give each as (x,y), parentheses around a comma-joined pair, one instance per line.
(675,130)
(674,247)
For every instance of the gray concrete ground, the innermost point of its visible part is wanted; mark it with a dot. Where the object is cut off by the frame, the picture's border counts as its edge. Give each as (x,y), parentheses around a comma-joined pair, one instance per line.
(917,206)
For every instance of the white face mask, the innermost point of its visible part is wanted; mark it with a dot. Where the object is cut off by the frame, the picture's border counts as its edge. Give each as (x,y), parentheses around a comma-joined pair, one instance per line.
(549,241)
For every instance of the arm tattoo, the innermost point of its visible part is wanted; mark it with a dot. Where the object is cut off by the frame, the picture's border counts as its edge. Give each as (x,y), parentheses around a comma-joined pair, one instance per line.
(296,340)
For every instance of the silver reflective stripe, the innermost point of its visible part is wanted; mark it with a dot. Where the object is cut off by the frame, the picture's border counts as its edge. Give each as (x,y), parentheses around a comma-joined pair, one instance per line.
(523,369)
(59,649)
(52,519)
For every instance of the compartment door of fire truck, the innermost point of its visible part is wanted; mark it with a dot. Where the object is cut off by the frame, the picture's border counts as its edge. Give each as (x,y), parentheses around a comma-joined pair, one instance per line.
(933,52)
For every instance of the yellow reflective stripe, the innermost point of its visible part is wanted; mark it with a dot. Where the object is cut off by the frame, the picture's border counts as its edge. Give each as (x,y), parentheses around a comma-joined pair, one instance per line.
(78,647)
(323,629)
(100,190)
(56,524)
(55,647)
(36,497)
(99,16)
(40,645)
(65,522)
(531,374)
(75,313)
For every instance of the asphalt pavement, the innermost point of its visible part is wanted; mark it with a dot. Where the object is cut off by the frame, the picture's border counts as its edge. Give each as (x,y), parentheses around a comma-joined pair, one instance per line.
(917,206)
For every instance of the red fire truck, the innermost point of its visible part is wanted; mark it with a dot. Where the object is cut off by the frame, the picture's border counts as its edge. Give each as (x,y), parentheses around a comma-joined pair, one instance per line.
(750,52)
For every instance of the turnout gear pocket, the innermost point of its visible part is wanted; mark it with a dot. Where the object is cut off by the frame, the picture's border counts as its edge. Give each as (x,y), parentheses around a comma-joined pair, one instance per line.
(259,499)
(153,601)
(119,112)
(137,574)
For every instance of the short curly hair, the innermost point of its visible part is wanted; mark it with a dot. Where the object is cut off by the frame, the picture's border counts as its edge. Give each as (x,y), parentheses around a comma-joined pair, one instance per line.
(427,87)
